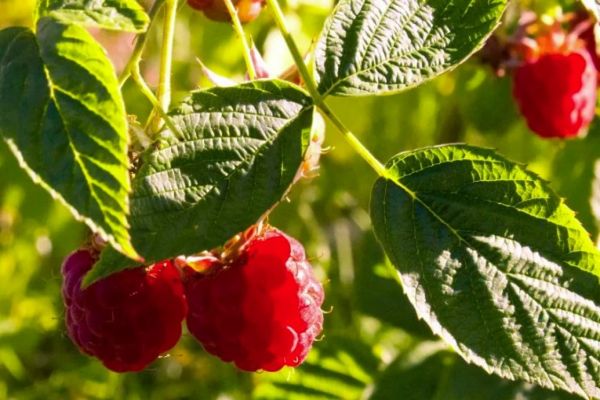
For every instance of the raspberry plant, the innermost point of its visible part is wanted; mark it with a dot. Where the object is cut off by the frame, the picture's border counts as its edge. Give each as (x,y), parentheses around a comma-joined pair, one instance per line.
(489,256)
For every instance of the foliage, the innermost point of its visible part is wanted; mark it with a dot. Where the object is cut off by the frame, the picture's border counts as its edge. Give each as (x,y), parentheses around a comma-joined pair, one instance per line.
(488,255)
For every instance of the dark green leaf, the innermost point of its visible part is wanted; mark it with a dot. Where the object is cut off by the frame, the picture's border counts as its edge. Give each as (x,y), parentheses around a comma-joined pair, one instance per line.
(63,117)
(239,151)
(120,15)
(495,263)
(374,46)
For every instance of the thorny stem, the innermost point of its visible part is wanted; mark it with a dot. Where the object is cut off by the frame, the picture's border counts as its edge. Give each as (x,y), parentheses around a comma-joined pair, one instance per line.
(317,98)
(140,43)
(239,30)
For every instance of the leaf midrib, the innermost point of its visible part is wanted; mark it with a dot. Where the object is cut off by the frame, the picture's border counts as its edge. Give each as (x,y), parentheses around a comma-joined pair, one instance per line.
(76,154)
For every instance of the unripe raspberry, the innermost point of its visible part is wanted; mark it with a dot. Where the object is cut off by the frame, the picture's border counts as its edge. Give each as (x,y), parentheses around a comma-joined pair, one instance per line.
(127,319)
(262,311)
(555,88)
(216,10)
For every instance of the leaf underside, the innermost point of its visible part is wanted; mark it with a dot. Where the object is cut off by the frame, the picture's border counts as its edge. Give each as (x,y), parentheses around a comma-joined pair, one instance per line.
(239,151)
(495,263)
(378,47)
(64,119)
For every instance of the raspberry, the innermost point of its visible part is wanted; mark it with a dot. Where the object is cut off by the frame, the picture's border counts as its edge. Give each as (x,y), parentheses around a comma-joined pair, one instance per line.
(127,319)
(588,36)
(263,310)
(216,10)
(555,89)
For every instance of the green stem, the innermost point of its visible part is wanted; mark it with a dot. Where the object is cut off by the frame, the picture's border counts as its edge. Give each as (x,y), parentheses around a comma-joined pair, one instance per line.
(356,144)
(140,43)
(291,44)
(146,91)
(166,56)
(239,30)
(317,98)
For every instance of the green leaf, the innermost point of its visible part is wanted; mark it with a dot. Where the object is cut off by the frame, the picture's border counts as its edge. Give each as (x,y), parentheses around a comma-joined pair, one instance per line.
(495,263)
(120,15)
(337,368)
(64,119)
(576,169)
(239,151)
(378,47)
(428,372)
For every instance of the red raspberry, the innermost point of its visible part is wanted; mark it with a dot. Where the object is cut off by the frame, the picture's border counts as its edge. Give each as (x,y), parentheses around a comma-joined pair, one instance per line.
(555,89)
(263,311)
(127,319)
(587,35)
(216,10)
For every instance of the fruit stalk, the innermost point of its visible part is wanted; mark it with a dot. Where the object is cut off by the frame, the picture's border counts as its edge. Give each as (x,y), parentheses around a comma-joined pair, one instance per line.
(140,44)
(166,59)
(239,30)
(311,85)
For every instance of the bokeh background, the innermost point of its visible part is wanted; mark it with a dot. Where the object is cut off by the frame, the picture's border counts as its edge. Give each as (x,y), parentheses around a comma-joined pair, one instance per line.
(373,346)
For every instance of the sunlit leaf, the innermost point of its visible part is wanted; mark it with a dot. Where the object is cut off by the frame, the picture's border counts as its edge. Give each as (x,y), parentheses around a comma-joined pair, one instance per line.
(120,15)
(377,47)
(495,263)
(64,119)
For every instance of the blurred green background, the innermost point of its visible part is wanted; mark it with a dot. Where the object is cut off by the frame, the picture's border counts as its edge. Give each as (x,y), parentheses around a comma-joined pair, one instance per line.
(373,346)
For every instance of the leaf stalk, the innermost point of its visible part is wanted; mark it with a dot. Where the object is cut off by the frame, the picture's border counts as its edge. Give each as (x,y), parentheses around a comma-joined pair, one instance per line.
(311,85)
(239,30)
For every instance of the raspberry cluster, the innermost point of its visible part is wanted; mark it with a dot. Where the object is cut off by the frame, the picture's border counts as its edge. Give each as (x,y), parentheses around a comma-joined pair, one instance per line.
(260,308)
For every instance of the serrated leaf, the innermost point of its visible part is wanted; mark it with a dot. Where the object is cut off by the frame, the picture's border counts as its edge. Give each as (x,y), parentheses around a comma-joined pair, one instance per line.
(64,119)
(495,263)
(120,15)
(239,152)
(377,47)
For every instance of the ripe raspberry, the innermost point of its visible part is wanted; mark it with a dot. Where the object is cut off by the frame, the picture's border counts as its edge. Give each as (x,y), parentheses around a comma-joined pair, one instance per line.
(263,310)
(216,10)
(128,319)
(555,89)
(588,35)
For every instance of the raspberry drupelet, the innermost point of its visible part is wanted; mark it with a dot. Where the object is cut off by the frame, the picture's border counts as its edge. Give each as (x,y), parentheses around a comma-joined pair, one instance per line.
(127,319)
(263,310)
